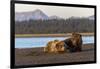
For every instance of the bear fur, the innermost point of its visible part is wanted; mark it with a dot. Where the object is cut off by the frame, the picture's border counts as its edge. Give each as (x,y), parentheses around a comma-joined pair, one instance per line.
(55,46)
(74,43)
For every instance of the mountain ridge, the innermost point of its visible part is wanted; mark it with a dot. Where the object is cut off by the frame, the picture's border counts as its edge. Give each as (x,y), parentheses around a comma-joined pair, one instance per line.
(37,15)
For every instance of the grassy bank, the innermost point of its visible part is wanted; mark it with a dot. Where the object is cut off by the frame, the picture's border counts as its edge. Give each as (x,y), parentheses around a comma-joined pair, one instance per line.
(50,35)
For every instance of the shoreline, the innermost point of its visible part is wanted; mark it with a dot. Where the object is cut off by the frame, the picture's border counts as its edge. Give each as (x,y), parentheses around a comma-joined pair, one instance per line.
(44,46)
(36,56)
(51,35)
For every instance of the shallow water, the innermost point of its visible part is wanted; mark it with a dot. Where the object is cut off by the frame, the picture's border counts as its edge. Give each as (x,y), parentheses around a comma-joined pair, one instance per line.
(42,41)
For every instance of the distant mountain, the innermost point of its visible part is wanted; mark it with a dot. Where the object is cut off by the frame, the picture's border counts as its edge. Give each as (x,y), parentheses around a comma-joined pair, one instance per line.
(91,17)
(55,17)
(88,17)
(73,17)
(34,15)
(39,15)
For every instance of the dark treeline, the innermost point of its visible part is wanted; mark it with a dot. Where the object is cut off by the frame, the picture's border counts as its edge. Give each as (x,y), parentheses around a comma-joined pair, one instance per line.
(54,26)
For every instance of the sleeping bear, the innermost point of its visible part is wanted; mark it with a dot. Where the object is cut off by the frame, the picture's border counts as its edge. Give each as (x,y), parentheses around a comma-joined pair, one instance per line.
(55,46)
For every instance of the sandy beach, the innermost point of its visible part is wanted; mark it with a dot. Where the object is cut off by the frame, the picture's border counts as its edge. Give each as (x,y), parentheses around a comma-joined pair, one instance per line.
(36,56)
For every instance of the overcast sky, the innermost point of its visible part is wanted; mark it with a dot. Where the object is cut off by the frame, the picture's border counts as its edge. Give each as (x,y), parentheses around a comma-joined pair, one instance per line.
(64,12)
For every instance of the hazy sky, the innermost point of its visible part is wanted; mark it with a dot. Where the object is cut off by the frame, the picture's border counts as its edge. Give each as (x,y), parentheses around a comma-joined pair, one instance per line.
(60,11)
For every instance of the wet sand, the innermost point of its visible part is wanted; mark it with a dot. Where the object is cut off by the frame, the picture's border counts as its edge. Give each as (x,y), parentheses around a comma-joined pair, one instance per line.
(36,56)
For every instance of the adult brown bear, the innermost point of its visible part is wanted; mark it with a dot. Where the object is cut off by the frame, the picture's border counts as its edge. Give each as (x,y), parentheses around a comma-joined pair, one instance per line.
(74,43)
(55,46)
